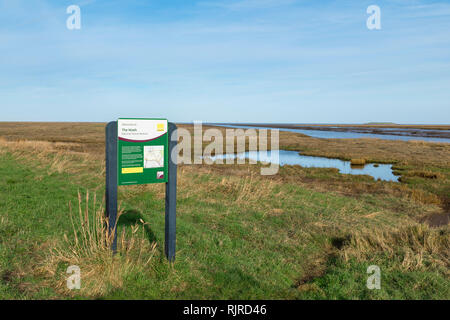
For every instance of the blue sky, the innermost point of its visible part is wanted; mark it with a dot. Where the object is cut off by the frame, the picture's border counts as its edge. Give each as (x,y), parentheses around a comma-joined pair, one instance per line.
(303,61)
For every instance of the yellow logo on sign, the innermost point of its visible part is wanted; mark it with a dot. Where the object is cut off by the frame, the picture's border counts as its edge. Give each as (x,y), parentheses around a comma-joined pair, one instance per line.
(160,127)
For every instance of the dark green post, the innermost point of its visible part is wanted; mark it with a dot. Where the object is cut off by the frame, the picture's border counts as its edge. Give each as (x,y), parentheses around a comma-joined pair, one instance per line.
(171,195)
(111,179)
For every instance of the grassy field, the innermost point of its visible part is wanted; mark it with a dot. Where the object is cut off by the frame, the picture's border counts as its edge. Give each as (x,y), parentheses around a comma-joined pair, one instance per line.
(305,233)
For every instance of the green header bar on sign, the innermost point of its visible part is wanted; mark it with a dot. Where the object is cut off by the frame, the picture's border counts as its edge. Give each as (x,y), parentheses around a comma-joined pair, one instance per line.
(143,151)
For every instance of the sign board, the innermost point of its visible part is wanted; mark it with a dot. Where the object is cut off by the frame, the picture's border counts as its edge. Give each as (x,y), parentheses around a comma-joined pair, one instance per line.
(126,164)
(142,151)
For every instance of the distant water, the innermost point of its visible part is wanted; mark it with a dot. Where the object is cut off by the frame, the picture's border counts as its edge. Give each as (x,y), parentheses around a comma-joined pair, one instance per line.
(348,134)
(382,172)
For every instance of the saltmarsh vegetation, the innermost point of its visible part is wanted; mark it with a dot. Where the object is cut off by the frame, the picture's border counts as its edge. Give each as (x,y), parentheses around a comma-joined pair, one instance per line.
(357,162)
(303,233)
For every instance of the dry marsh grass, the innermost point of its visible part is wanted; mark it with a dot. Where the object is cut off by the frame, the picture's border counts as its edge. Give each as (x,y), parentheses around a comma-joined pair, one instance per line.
(416,157)
(247,189)
(414,247)
(358,162)
(59,157)
(65,132)
(428,174)
(89,138)
(373,150)
(89,248)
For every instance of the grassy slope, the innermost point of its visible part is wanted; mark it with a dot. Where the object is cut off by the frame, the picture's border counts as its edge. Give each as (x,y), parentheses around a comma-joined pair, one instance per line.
(33,208)
(238,237)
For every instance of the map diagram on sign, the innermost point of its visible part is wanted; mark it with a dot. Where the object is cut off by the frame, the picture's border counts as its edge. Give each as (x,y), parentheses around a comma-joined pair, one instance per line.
(153,157)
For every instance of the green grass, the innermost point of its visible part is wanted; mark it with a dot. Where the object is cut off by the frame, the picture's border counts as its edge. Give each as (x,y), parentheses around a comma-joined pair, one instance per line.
(347,281)
(231,243)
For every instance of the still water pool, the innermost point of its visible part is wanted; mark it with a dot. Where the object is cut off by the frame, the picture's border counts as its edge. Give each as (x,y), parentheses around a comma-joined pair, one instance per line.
(381,171)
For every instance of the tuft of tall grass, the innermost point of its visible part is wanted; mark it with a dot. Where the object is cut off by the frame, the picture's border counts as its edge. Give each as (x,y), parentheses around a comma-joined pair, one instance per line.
(357,162)
(414,247)
(427,174)
(89,248)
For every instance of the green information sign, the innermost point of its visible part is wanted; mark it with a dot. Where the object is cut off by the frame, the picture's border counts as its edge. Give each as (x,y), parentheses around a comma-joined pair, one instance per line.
(143,151)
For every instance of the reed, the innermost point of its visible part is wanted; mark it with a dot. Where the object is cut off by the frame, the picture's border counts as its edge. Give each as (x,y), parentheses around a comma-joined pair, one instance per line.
(89,248)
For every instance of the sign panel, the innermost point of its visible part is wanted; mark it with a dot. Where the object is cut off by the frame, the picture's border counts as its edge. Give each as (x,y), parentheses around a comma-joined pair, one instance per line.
(143,151)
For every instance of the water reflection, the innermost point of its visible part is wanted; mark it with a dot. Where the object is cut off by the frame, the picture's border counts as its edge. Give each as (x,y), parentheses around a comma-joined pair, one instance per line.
(381,171)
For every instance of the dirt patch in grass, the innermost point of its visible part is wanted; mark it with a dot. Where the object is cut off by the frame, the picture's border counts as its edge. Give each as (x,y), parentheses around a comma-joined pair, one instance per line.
(7,276)
(437,219)
(317,267)
(15,279)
